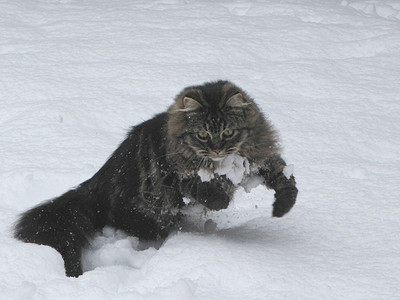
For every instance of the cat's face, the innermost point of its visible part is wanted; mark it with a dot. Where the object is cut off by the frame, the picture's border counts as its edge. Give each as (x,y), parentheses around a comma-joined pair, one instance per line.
(213,120)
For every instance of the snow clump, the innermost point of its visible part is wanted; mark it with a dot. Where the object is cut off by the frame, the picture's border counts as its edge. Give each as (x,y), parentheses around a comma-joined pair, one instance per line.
(234,167)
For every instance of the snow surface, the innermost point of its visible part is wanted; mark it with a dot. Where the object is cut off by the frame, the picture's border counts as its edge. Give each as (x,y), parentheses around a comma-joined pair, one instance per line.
(75,75)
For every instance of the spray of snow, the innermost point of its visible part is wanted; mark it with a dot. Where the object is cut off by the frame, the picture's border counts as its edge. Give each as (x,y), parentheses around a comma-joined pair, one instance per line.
(237,169)
(186,200)
(251,182)
(288,171)
(234,167)
(205,175)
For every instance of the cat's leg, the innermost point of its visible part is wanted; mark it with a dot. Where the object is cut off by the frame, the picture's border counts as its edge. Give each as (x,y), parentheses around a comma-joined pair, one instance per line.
(139,219)
(215,194)
(285,188)
(72,260)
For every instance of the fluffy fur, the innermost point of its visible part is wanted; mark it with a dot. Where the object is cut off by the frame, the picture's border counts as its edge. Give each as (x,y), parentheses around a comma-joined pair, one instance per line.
(141,186)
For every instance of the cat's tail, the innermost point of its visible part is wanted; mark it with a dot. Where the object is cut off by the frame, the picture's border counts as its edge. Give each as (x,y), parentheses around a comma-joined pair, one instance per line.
(64,223)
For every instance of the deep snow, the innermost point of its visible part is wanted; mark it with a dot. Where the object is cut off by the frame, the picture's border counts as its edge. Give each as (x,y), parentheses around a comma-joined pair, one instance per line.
(75,75)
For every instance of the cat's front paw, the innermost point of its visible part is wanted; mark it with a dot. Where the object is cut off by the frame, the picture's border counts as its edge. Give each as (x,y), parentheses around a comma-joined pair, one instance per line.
(215,203)
(284,201)
(213,198)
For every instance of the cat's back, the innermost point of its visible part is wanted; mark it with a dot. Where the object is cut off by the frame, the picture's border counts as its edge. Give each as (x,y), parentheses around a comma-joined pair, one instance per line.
(153,129)
(143,146)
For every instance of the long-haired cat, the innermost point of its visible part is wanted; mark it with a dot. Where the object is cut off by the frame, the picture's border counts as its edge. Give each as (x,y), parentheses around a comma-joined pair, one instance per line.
(141,187)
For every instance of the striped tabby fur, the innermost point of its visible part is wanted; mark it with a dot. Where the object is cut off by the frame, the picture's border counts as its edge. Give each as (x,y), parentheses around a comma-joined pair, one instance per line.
(141,186)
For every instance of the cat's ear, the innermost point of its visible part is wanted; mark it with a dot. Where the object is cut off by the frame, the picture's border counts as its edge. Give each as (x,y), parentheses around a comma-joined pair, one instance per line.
(189,104)
(237,100)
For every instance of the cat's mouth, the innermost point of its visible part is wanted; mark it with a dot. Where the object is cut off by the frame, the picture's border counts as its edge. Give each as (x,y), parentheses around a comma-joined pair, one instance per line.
(211,155)
(218,158)
(217,155)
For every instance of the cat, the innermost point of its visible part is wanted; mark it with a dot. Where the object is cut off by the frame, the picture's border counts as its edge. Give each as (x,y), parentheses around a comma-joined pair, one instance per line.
(142,186)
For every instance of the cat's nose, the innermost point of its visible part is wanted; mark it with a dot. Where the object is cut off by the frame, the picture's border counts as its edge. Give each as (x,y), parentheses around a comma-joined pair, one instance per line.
(217,151)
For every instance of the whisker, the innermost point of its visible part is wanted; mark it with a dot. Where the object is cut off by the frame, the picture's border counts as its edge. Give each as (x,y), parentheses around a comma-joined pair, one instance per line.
(202,152)
(232,150)
(258,144)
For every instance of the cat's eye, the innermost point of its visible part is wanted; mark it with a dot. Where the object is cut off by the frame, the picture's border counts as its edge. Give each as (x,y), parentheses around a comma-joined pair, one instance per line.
(203,135)
(227,133)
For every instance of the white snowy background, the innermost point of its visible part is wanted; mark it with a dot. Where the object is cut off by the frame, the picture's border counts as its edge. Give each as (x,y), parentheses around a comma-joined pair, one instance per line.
(75,75)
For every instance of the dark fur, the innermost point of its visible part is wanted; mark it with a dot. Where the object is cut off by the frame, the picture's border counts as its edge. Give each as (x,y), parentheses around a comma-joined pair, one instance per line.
(141,186)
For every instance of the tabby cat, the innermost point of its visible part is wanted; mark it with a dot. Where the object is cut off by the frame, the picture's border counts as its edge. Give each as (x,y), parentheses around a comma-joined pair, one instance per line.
(140,189)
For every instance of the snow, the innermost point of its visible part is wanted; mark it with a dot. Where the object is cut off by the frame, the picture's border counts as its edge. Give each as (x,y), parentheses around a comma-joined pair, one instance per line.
(205,175)
(288,171)
(250,182)
(384,9)
(75,75)
(233,166)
